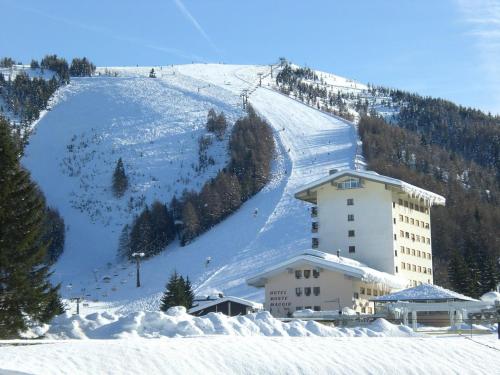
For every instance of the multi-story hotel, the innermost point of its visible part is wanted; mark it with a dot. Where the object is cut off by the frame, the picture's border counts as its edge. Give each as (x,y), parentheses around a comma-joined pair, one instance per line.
(380,221)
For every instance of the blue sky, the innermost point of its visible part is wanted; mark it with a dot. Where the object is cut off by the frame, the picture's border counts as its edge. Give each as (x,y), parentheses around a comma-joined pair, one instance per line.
(445,48)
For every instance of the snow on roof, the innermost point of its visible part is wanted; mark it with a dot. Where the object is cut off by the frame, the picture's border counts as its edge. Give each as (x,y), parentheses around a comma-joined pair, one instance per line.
(347,266)
(491,297)
(212,302)
(423,292)
(414,191)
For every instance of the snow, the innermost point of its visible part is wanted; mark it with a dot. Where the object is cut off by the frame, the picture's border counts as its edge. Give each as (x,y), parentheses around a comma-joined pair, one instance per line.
(424,292)
(224,354)
(349,266)
(176,322)
(491,297)
(154,125)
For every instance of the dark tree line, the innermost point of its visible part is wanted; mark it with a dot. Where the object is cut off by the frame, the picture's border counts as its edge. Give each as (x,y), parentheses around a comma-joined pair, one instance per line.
(251,148)
(81,67)
(466,131)
(25,96)
(466,232)
(58,65)
(26,294)
(7,62)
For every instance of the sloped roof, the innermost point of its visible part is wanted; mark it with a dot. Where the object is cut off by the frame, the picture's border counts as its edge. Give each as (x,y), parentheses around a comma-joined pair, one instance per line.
(307,192)
(347,266)
(212,302)
(423,292)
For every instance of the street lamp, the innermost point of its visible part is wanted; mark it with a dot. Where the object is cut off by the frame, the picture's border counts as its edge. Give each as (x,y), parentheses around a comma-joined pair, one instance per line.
(138,257)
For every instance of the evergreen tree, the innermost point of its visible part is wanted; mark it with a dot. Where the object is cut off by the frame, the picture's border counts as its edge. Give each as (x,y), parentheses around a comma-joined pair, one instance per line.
(26,295)
(120,179)
(178,292)
(191,222)
(124,243)
(152,73)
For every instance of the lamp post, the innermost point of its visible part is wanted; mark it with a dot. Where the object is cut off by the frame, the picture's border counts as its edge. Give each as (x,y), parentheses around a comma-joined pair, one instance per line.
(138,257)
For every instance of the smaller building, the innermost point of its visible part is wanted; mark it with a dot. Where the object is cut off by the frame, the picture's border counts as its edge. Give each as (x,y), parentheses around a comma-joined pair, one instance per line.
(320,281)
(429,304)
(230,306)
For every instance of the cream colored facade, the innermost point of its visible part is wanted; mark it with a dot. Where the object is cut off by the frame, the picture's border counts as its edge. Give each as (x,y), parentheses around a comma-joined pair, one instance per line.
(382,222)
(286,293)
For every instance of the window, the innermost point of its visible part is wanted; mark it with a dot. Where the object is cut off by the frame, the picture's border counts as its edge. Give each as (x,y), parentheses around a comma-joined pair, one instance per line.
(356,295)
(425,270)
(426,225)
(307,274)
(400,217)
(298,308)
(314,211)
(350,202)
(413,237)
(298,292)
(412,222)
(407,219)
(362,290)
(408,266)
(408,250)
(350,233)
(401,233)
(350,217)
(351,183)
(307,307)
(315,243)
(418,238)
(417,223)
(429,271)
(419,269)
(394,220)
(317,308)
(314,227)
(370,310)
(363,310)
(419,254)
(428,255)
(413,252)
(395,253)
(393,204)
(315,273)
(352,249)
(368,292)
(406,203)
(428,241)
(411,206)
(407,235)
(307,291)
(375,292)
(422,209)
(402,249)
(298,274)
(414,268)
(403,265)
(316,290)
(395,238)
(400,202)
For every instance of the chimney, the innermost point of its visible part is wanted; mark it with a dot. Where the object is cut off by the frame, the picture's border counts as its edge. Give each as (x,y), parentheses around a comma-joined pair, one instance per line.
(338,254)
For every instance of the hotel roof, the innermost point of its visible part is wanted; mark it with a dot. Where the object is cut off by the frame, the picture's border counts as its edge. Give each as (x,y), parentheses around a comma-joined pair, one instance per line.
(308,192)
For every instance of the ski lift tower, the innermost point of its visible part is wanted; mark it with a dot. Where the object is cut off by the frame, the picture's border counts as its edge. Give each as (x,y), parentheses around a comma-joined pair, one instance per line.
(138,257)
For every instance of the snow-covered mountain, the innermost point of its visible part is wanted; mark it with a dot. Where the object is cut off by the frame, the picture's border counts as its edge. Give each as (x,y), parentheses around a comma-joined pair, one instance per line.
(154,126)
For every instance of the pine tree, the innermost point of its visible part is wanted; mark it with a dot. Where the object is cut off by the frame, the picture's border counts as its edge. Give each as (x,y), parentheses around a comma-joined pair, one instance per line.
(124,243)
(26,295)
(178,292)
(191,222)
(120,179)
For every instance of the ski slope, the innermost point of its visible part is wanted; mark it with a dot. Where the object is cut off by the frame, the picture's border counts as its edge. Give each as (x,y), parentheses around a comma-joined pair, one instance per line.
(154,124)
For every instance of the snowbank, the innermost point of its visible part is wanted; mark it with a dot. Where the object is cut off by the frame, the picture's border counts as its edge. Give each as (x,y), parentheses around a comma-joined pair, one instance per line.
(177,323)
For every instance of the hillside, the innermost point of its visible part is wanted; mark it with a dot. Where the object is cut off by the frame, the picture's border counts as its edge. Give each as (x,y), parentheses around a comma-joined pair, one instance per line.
(154,124)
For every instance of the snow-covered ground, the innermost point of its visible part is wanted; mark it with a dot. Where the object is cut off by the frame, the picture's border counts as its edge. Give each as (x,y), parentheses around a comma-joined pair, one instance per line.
(154,124)
(256,355)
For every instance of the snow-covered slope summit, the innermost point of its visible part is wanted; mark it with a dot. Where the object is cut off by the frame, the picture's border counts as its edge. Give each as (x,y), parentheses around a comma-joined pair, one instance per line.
(154,124)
